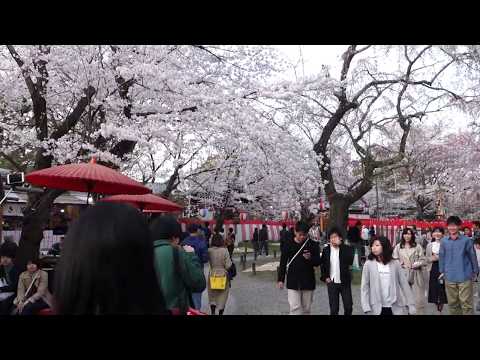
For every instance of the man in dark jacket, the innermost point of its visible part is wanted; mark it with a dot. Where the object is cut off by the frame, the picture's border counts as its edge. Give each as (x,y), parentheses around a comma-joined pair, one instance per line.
(284,236)
(9,275)
(207,233)
(297,261)
(355,238)
(291,233)
(255,242)
(263,239)
(178,269)
(337,258)
(201,250)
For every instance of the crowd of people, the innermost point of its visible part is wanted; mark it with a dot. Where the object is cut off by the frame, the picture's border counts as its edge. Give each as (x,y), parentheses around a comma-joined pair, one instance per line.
(114,262)
(396,280)
(23,293)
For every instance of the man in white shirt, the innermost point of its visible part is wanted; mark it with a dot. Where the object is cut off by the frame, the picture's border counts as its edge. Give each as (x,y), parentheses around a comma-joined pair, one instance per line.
(337,258)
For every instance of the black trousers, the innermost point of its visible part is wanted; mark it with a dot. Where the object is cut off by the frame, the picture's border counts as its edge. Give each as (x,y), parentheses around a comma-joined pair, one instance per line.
(34,308)
(334,292)
(6,305)
(386,311)
(264,245)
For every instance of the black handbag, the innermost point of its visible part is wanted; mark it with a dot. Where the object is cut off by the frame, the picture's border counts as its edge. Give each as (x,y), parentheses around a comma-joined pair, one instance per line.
(232,271)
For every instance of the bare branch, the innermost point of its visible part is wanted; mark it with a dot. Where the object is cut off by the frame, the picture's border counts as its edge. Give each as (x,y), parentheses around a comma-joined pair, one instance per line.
(441,70)
(347,59)
(360,150)
(362,49)
(318,103)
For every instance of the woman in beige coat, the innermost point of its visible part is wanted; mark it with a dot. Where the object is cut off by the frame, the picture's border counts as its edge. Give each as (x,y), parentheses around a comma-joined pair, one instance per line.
(32,293)
(220,262)
(413,262)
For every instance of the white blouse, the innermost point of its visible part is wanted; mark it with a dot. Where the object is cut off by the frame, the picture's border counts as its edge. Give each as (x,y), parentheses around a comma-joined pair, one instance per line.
(385,280)
(335,265)
(436,247)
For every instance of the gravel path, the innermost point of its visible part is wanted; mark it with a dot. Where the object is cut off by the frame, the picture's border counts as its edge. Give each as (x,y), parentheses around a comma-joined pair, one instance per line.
(257,294)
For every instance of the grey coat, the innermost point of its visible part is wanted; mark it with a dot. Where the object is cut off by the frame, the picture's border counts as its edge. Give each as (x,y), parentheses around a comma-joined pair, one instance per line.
(371,297)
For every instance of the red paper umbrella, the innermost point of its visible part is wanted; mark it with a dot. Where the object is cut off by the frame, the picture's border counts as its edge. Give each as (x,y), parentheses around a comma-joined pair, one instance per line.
(147,202)
(87,177)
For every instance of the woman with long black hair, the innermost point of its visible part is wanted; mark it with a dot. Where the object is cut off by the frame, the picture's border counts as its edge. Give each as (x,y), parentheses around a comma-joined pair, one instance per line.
(107,265)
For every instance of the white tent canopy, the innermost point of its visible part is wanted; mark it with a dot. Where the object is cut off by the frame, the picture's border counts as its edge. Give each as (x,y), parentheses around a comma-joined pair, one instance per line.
(17,200)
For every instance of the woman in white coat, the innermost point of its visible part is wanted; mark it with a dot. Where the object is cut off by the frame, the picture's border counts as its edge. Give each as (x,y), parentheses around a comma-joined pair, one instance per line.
(384,289)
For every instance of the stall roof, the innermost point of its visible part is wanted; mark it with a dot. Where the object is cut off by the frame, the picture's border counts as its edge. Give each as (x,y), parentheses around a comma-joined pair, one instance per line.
(68,198)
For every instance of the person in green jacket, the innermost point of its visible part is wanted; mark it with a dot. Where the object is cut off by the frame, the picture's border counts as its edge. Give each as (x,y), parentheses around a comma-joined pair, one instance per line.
(179,271)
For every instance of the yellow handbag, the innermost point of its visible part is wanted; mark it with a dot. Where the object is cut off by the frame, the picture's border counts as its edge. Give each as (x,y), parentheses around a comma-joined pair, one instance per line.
(218,282)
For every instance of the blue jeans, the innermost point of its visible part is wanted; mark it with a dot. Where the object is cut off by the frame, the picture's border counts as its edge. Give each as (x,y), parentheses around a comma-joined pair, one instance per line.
(197,300)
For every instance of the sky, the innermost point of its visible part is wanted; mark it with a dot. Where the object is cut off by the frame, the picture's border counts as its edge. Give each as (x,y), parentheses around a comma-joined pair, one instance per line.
(316,55)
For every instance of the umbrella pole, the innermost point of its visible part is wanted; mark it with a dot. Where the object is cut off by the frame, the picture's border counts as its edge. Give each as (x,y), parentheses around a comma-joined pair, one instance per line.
(88,196)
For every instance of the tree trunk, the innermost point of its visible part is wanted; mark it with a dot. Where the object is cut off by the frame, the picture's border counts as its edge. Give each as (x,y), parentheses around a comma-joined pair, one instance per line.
(34,220)
(219,218)
(305,213)
(338,214)
(171,183)
(420,211)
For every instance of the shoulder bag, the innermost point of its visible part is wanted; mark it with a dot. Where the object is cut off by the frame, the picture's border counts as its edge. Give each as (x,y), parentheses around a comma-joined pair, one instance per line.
(217,282)
(294,256)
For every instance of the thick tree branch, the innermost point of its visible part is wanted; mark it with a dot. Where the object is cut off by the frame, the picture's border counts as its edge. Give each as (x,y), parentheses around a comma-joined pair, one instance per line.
(72,119)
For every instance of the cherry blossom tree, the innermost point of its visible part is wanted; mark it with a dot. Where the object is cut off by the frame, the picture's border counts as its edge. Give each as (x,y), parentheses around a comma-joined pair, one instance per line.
(65,104)
(379,93)
(439,170)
